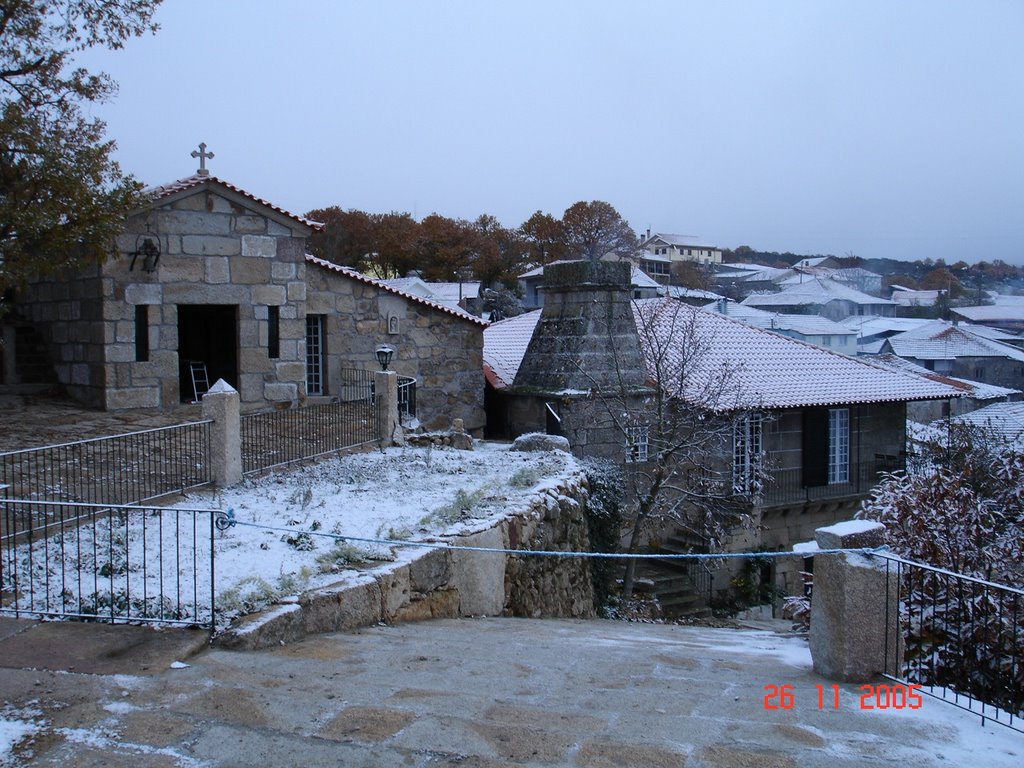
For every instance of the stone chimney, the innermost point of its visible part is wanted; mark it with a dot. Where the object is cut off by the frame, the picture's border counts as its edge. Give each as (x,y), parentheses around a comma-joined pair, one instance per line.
(586,339)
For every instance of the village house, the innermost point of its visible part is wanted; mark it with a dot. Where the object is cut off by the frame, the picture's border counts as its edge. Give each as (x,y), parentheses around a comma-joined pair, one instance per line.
(681,248)
(963,351)
(211,282)
(820,425)
(822,296)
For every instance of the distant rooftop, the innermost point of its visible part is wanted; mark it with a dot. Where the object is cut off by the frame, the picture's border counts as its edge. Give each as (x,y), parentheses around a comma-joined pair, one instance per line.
(812,292)
(939,340)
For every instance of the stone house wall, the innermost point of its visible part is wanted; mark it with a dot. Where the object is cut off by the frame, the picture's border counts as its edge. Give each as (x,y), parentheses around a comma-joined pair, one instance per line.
(442,350)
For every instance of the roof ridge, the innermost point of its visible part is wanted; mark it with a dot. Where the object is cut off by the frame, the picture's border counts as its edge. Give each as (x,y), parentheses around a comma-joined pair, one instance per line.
(349,272)
(195,180)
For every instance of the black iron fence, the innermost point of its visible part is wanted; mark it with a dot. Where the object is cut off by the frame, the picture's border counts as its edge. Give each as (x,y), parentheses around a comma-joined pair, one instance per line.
(122,469)
(960,638)
(786,486)
(282,437)
(109,563)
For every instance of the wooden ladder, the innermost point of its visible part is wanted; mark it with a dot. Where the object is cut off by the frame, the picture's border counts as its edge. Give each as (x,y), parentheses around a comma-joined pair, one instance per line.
(200,379)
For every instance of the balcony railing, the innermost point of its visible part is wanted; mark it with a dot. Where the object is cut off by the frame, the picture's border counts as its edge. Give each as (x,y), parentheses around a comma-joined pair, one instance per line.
(786,486)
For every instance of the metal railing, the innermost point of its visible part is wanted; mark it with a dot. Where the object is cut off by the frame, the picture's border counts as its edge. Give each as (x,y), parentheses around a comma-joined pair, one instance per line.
(108,563)
(122,469)
(960,638)
(281,437)
(786,486)
(406,398)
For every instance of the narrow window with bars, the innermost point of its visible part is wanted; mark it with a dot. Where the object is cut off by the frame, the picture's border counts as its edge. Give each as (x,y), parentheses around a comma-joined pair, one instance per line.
(315,355)
(141,333)
(273,332)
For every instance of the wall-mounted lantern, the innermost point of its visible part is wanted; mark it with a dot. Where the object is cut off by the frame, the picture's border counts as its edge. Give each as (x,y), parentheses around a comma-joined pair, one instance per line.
(149,250)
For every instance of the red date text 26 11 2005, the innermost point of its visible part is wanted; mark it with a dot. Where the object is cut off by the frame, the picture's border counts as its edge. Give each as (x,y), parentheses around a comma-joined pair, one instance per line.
(896,696)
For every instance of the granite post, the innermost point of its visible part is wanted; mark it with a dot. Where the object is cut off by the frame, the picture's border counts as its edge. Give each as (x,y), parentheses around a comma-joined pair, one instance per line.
(385,385)
(221,406)
(855,633)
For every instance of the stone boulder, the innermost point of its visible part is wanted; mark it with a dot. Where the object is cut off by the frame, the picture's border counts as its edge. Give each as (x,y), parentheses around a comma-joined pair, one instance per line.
(538,441)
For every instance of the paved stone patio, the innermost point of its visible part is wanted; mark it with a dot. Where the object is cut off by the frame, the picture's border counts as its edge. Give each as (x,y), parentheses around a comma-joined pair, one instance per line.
(484,693)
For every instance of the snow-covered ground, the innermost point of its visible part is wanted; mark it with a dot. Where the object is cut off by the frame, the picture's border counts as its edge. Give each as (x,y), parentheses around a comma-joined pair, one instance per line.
(288,531)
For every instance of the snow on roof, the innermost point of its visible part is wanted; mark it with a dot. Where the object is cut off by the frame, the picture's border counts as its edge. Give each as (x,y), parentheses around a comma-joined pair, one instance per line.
(196,181)
(806,325)
(505,344)
(939,340)
(813,291)
(907,298)
(766,275)
(867,326)
(649,256)
(454,291)
(1012,312)
(679,292)
(774,371)
(1001,420)
(638,277)
(975,389)
(353,274)
(988,332)
(687,241)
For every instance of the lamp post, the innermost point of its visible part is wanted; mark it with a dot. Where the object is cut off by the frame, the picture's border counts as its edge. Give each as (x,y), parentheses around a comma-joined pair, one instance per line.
(384,354)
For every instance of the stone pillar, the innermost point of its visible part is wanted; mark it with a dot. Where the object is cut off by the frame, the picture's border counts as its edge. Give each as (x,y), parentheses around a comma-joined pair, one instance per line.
(385,387)
(7,346)
(854,610)
(221,405)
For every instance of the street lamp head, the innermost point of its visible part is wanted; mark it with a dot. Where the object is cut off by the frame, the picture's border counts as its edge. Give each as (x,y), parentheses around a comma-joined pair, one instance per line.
(384,354)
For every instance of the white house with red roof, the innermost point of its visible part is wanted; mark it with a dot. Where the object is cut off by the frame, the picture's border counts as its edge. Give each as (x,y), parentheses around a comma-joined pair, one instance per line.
(210,281)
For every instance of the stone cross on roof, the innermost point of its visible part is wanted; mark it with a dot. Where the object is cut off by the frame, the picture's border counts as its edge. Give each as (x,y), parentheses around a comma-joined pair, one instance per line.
(203,155)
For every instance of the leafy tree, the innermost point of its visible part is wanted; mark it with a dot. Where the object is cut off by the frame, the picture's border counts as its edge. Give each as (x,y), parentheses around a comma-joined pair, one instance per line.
(593,230)
(545,242)
(502,253)
(394,245)
(888,281)
(62,197)
(941,279)
(447,249)
(346,239)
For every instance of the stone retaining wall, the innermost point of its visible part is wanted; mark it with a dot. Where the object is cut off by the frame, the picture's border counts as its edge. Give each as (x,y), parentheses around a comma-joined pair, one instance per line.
(443,583)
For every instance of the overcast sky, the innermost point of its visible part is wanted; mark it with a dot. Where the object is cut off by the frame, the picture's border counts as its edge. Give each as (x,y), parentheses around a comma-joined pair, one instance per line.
(883,129)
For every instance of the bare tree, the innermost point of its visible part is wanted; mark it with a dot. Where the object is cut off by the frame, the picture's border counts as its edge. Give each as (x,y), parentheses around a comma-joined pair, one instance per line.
(693,442)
